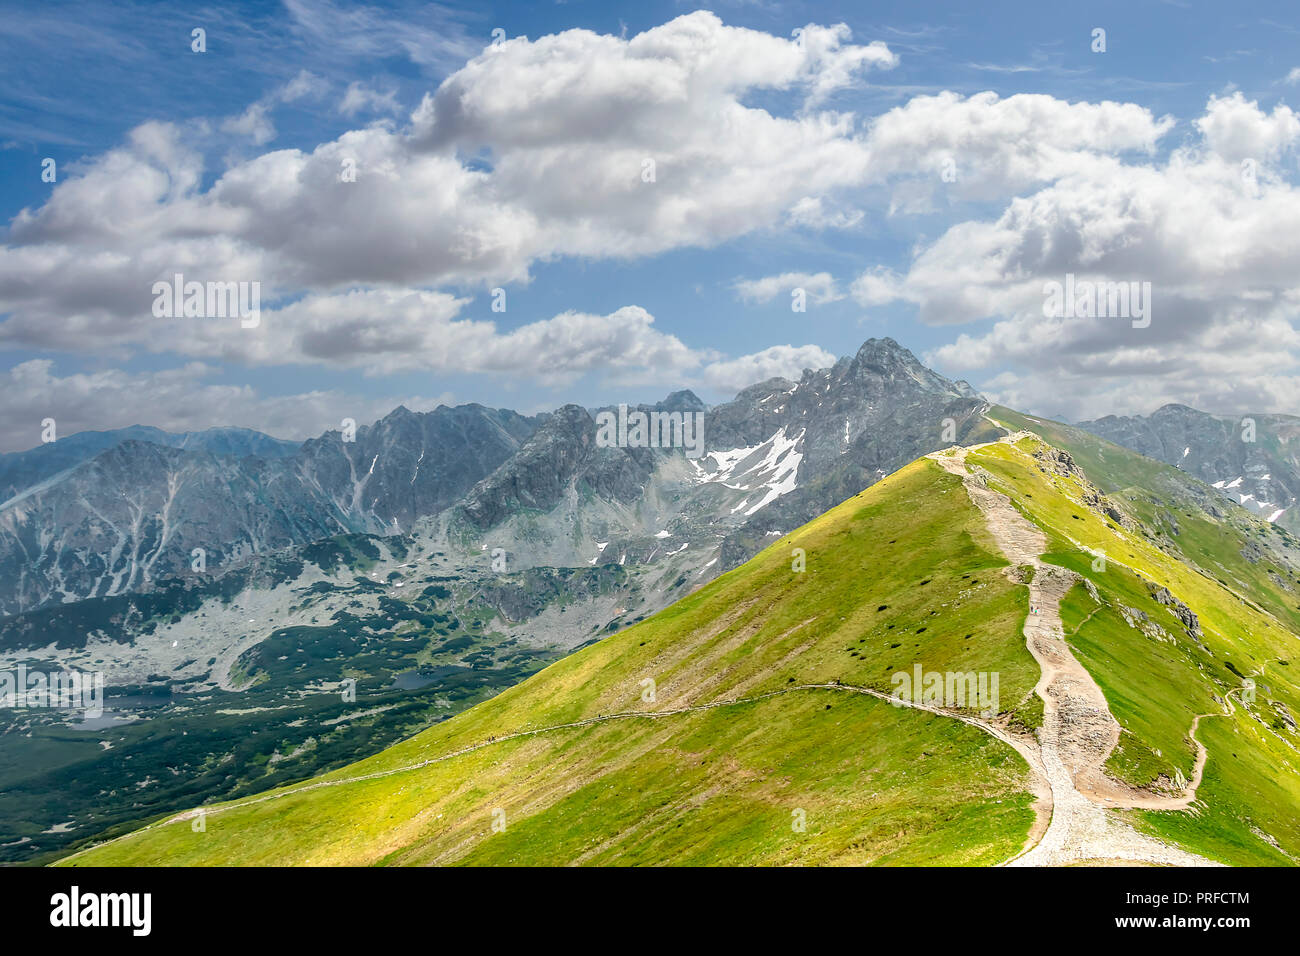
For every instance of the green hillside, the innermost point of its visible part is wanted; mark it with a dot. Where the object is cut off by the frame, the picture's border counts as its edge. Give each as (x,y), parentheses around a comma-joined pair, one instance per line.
(901,574)
(1237,574)
(764,738)
(1185,518)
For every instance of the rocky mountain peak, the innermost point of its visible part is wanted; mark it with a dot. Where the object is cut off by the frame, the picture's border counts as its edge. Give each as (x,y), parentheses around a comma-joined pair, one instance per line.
(682,400)
(886,361)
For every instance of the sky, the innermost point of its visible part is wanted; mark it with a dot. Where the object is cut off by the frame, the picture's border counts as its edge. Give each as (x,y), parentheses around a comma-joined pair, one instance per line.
(529,204)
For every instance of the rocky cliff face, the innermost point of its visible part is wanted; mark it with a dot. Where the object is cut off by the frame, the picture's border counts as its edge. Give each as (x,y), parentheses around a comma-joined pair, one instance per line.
(780,453)
(134,513)
(1253,459)
(407,465)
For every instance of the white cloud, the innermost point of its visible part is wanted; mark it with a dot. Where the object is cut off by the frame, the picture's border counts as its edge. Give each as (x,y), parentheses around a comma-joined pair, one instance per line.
(877,286)
(253,124)
(77,271)
(833,64)
(392,330)
(983,146)
(360,97)
(1215,242)
(783,361)
(536,149)
(811,212)
(819,287)
(1237,129)
(304,84)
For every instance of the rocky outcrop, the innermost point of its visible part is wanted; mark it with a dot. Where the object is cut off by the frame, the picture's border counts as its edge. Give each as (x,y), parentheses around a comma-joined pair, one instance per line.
(861,419)
(1141,621)
(1060,462)
(1186,616)
(561,455)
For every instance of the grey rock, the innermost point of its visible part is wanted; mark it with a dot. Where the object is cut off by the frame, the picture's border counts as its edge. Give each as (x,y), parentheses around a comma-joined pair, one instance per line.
(1186,616)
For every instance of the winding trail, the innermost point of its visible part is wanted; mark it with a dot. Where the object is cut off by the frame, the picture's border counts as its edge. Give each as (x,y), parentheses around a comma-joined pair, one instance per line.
(1078,732)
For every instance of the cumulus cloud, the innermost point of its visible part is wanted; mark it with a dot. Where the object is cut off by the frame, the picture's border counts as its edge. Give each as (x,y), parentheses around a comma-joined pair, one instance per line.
(362,98)
(834,64)
(253,124)
(381,331)
(304,84)
(812,212)
(784,361)
(985,147)
(78,270)
(592,146)
(1237,129)
(877,286)
(1213,238)
(819,287)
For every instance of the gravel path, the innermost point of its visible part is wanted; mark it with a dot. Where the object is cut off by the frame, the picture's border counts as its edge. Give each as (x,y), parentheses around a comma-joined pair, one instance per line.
(1078,731)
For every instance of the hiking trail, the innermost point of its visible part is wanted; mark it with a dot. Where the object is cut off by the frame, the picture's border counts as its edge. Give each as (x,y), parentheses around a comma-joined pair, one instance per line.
(1078,732)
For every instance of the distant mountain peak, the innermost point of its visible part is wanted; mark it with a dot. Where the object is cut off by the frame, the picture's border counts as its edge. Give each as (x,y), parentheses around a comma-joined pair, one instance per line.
(683,400)
(1256,469)
(1177,408)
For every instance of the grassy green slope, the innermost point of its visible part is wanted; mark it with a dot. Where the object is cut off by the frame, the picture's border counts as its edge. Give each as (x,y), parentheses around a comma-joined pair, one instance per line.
(1185,518)
(1157,681)
(904,573)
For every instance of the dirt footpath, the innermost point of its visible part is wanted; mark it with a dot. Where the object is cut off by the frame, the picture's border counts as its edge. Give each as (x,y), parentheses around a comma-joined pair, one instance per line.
(1078,731)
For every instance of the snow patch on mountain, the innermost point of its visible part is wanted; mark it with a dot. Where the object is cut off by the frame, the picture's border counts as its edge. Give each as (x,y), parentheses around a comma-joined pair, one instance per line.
(771,468)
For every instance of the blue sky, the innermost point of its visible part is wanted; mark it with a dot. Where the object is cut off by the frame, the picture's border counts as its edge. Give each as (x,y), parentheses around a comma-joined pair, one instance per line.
(165,153)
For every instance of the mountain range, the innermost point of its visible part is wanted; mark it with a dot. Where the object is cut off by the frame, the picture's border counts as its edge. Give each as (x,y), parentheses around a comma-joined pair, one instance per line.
(109,513)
